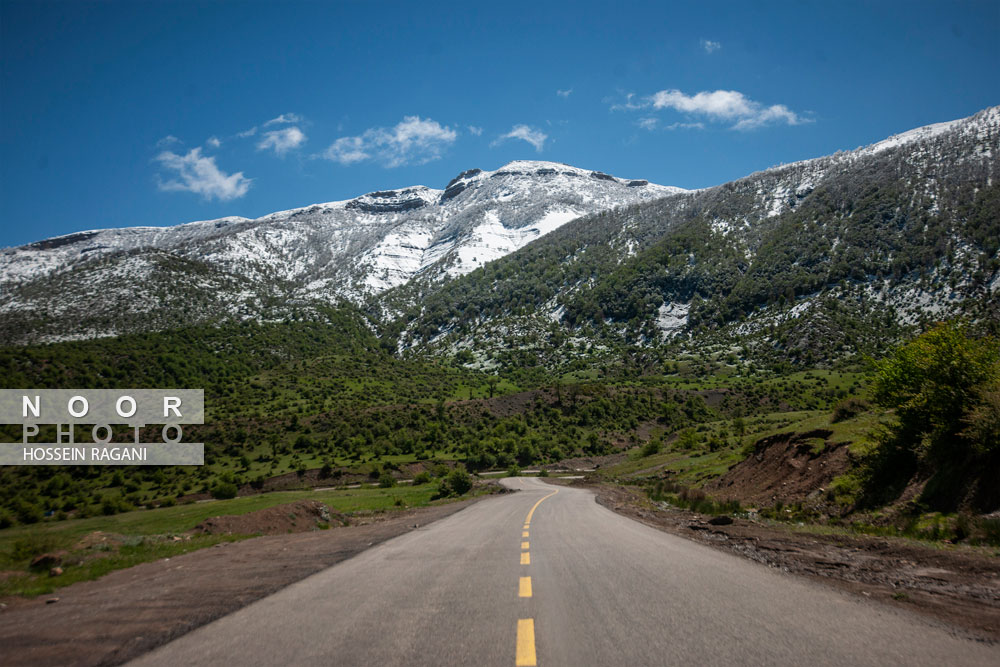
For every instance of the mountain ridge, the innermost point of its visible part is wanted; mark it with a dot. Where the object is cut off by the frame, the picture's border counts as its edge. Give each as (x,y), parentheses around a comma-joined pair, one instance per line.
(393,250)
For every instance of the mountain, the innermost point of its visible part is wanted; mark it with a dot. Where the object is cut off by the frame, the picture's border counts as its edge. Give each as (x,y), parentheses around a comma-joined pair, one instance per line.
(113,281)
(545,264)
(802,263)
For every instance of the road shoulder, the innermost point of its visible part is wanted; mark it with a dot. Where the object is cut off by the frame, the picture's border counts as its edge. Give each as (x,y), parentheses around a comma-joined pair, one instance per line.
(129,612)
(958,588)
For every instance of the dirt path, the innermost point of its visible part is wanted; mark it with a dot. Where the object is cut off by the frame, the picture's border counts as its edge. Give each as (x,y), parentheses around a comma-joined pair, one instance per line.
(957,586)
(128,612)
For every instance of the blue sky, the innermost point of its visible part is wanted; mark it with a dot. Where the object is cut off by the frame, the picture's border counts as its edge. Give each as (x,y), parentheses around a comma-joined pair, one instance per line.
(146,113)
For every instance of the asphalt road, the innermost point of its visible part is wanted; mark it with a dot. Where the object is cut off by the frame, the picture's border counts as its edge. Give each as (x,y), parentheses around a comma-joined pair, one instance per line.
(579,585)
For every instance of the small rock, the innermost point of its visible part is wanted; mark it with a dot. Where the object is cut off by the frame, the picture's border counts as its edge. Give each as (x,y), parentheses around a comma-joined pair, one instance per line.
(55,572)
(721,520)
(46,560)
(52,601)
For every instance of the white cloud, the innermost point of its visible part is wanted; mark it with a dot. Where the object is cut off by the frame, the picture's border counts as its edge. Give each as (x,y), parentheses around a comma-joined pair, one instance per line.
(347,150)
(475,130)
(710,46)
(629,105)
(648,123)
(281,141)
(247,133)
(686,126)
(415,140)
(168,140)
(525,133)
(728,106)
(725,104)
(776,113)
(214,142)
(199,174)
(285,118)
(564,93)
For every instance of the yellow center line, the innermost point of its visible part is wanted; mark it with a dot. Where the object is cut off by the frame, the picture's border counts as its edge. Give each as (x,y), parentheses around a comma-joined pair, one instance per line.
(535,506)
(526,626)
(526,643)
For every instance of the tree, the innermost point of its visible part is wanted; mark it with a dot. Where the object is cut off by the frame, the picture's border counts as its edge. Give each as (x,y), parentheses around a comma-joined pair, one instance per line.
(932,383)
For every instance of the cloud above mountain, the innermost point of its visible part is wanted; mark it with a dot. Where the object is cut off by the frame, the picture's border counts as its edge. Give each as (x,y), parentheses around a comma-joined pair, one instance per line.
(197,173)
(718,106)
(414,140)
(532,135)
(281,141)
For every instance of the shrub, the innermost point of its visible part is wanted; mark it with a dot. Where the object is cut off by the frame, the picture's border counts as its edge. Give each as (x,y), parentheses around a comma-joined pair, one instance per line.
(27,512)
(651,447)
(849,408)
(386,481)
(422,478)
(455,483)
(224,491)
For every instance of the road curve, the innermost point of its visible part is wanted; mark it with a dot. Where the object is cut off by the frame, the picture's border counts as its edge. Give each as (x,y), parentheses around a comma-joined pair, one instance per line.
(579,585)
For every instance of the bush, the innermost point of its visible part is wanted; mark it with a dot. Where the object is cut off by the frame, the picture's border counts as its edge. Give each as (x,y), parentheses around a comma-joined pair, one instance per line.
(651,447)
(849,408)
(456,483)
(27,512)
(386,481)
(422,478)
(224,491)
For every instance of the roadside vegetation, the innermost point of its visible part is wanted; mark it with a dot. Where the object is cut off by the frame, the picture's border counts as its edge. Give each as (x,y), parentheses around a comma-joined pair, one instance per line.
(88,548)
(304,405)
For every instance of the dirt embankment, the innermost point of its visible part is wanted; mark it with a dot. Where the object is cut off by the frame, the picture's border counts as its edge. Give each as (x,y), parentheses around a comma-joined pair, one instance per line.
(958,586)
(129,612)
(785,468)
(297,517)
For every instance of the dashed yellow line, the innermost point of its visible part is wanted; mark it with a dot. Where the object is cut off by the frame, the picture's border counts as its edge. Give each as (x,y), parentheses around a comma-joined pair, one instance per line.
(524,587)
(526,626)
(526,643)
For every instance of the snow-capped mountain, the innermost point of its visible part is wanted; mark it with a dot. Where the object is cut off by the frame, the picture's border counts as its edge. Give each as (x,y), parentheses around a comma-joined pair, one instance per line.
(828,256)
(105,282)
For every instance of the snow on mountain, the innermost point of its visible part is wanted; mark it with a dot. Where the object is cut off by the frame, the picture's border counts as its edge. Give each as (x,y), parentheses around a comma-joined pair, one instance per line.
(338,250)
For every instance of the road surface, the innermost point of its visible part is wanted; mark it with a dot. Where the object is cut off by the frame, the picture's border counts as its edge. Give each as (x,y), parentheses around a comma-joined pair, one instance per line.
(547,576)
